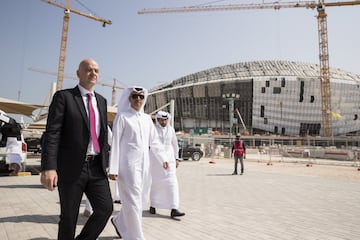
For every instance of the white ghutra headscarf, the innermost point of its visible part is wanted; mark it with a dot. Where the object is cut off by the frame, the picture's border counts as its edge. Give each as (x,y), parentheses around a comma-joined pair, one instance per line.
(163,131)
(124,103)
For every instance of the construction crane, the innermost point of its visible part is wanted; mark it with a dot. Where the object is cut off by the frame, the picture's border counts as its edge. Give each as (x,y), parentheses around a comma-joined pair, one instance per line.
(64,35)
(322,34)
(114,86)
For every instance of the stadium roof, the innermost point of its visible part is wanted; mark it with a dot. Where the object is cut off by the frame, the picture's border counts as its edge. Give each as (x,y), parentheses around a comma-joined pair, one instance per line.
(246,70)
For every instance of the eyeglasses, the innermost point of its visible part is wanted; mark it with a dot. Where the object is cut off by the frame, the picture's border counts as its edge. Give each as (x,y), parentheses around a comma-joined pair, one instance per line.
(135,96)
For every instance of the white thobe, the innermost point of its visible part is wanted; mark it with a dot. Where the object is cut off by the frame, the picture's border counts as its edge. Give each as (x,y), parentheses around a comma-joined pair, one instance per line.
(133,134)
(164,187)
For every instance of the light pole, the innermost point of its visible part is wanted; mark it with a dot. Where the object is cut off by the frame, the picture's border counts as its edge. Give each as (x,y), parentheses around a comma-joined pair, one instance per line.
(231,97)
(223,118)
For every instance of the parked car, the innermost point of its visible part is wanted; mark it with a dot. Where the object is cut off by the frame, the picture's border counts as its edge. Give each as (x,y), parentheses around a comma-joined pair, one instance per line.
(33,145)
(188,152)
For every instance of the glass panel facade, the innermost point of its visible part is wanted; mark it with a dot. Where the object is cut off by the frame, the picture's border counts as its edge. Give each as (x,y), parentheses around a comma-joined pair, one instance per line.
(273,96)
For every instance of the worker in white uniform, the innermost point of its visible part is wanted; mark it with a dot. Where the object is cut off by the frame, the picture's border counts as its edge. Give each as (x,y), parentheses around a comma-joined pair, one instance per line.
(134,134)
(164,191)
(13,154)
(10,137)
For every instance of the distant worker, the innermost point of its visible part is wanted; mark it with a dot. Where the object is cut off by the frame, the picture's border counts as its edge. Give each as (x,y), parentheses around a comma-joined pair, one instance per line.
(164,191)
(239,152)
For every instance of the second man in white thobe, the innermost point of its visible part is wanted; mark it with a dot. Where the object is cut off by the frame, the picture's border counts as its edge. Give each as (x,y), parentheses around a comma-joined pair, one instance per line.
(164,188)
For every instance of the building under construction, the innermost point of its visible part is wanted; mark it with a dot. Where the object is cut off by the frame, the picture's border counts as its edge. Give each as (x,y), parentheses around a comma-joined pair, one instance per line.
(277,97)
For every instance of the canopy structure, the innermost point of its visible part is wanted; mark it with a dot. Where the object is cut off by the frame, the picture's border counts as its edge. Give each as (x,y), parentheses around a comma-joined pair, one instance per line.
(16,107)
(27,109)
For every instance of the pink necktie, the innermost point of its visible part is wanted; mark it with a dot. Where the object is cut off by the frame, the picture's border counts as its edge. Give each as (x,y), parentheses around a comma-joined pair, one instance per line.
(93,124)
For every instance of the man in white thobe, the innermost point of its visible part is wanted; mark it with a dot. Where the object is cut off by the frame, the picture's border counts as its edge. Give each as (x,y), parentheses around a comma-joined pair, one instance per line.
(164,191)
(133,135)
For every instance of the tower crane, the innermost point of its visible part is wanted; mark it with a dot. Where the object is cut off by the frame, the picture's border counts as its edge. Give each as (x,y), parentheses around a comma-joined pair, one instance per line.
(114,86)
(322,35)
(64,35)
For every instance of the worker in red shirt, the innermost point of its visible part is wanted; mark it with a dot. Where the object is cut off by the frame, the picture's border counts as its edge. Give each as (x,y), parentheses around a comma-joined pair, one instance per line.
(239,152)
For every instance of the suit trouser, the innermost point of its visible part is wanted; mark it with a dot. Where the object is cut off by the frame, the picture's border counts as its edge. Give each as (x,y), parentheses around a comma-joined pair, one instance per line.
(94,183)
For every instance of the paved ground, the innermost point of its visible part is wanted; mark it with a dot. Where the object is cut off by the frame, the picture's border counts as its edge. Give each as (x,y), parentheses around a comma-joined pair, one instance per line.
(281,201)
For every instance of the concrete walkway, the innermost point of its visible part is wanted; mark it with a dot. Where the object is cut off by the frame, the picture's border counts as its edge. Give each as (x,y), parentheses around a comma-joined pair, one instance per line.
(281,201)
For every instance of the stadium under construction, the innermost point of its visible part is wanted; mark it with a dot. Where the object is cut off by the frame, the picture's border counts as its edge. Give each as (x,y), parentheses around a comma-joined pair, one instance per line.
(280,98)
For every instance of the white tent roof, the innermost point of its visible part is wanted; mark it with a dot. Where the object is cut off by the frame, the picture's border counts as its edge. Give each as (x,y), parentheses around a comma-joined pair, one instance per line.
(16,107)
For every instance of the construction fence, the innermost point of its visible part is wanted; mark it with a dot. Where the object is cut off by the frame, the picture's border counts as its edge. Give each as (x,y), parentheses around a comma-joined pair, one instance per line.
(220,147)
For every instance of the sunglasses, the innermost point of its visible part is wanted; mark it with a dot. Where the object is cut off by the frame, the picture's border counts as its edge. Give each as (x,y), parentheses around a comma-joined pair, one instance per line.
(135,96)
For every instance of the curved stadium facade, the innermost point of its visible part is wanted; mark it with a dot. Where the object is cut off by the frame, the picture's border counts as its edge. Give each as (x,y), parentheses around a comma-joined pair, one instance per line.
(278,97)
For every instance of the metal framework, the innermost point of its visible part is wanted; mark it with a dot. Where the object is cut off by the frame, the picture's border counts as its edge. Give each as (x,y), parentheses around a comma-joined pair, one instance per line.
(64,35)
(324,71)
(323,38)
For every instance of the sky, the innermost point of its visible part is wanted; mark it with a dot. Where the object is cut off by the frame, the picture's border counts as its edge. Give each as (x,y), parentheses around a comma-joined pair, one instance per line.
(153,49)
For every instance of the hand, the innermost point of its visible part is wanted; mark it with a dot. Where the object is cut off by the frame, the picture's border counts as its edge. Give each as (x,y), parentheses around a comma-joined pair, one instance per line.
(165,165)
(177,162)
(113,176)
(49,179)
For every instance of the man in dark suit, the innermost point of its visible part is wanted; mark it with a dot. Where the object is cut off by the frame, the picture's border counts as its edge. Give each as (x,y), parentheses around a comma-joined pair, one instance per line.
(75,154)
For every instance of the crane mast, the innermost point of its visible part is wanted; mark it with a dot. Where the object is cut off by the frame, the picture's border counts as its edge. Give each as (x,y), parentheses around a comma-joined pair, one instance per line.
(113,93)
(64,35)
(322,35)
(324,70)
(62,56)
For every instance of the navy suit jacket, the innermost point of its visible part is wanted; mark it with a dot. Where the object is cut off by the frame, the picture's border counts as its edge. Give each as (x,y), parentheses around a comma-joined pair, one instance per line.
(67,135)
